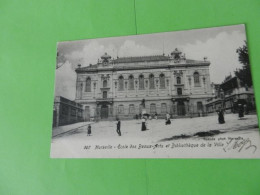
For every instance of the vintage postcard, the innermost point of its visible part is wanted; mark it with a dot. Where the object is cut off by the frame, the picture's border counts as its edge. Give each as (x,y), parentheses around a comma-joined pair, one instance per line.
(184,94)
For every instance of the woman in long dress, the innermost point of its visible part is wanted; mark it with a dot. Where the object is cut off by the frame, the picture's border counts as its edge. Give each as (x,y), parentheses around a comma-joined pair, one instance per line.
(143,124)
(221,119)
(168,120)
(240,111)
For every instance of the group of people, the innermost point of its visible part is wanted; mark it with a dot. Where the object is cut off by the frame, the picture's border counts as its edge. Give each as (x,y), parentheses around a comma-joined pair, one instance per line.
(221,120)
(143,126)
(149,116)
(118,128)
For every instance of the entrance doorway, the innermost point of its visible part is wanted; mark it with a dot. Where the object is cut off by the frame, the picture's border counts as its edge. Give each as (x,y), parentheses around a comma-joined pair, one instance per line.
(181,108)
(104,112)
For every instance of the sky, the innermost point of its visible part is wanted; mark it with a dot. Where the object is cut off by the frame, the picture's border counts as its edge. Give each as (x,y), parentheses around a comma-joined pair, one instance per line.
(218,44)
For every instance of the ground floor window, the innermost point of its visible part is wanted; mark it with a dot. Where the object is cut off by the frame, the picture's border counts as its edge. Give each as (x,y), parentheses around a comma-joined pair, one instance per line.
(199,106)
(131,109)
(152,108)
(121,109)
(163,108)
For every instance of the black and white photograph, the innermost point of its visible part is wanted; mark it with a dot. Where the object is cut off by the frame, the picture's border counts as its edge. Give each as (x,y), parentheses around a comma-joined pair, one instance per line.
(182,94)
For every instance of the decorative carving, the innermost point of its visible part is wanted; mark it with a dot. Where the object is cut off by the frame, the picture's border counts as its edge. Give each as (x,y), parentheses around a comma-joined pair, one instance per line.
(177,73)
(177,56)
(105,77)
(105,59)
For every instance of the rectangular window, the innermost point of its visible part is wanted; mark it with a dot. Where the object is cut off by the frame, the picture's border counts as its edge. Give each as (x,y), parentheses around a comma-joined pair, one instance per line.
(131,109)
(152,108)
(121,109)
(179,91)
(163,108)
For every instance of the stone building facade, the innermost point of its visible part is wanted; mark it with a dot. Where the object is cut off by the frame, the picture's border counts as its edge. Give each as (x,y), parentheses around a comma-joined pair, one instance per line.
(128,86)
(66,111)
(229,94)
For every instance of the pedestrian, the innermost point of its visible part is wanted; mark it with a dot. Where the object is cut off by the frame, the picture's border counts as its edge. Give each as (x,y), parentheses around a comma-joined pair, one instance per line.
(156,116)
(143,128)
(168,120)
(240,111)
(89,130)
(118,126)
(221,119)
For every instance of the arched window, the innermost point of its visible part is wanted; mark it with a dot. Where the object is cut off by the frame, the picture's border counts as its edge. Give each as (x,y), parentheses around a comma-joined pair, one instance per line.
(196,79)
(105,83)
(178,80)
(88,85)
(131,109)
(151,81)
(131,82)
(141,82)
(152,109)
(121,83)
(162,81)
(163,108)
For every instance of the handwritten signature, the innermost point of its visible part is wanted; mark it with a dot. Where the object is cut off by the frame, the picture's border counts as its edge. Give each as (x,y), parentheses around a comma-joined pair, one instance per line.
(240,145)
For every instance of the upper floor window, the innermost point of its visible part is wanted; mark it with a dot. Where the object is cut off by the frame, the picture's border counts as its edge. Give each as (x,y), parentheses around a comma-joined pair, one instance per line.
(121,83)
(196,79)
(178,80)
(179,91)
(141,82)
(104,94)
(105,83)
(131,82)
(162,81)
(151,81)
(88,85)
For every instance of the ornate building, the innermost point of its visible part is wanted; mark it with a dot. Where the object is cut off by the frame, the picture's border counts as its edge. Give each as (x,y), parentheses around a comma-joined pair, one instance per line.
(229,94)
(127,86)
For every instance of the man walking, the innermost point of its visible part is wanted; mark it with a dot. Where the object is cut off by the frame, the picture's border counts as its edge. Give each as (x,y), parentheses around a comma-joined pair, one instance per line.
(118,126)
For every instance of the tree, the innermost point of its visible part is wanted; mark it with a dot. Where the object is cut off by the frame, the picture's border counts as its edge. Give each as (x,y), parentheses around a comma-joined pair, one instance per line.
(244,73)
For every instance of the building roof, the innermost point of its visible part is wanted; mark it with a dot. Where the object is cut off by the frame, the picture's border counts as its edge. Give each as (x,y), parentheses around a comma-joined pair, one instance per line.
(130,63)
(141,59)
